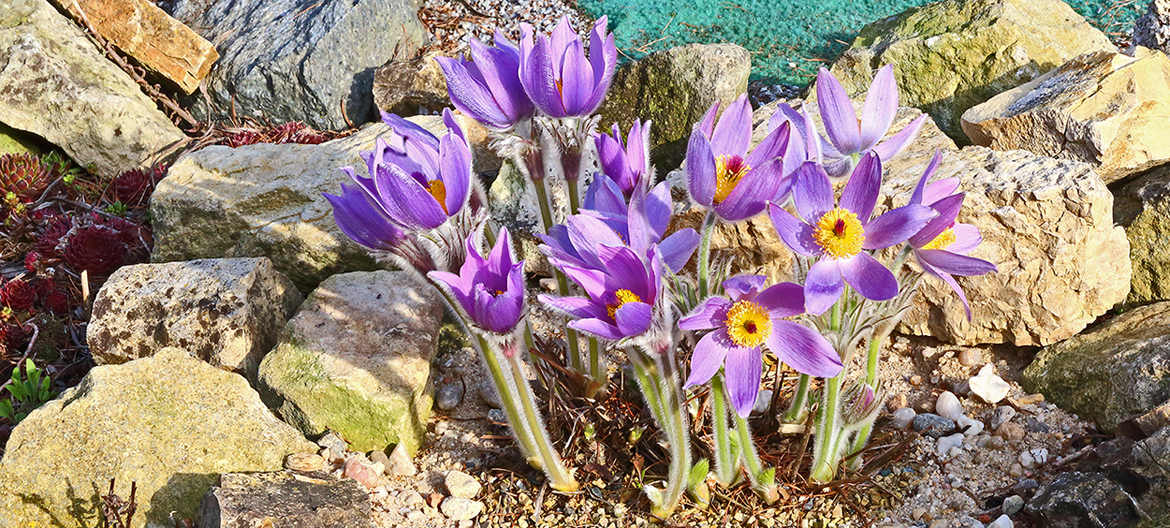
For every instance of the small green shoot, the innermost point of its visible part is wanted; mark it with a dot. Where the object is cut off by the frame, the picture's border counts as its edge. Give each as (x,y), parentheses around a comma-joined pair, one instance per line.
(27,394)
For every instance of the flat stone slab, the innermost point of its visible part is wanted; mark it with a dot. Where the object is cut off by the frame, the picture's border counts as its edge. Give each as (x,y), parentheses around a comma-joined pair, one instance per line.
(286,500)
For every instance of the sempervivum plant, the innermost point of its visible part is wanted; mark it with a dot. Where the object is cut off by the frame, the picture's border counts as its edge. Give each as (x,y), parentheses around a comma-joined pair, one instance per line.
(18,294)
(23,175)
(135,186)
(95,248)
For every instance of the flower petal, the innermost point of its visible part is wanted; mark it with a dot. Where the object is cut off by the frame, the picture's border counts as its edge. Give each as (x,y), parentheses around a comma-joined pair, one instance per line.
(898,142)
(956,264)
(803,349)
(471,95)
(881,103)
(733,133)
(741,286)
(861,191)
(751,195)
(710,314)
(455,172)
(947,208)
(587,234)
(743,367)
(603,57)
(708,357)
(967,238)
(797,235)
(785,299)
(536,73)
(405,200)
(578,307)
(597,327)
(576,80)
(590,280)
(633,318)
(773,146)
(869,277)
(361,219)
(837,114)
(823,286)
(897,226)
(677,248)
(920,188)
(812,192)
(700,167)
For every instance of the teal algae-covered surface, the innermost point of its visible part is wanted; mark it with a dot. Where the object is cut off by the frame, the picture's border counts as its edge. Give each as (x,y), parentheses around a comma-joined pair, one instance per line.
(788,39)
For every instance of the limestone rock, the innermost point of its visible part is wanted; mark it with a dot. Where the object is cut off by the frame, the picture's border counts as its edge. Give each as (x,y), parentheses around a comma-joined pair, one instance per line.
(265,200)
(1143,208)
(294,500)
(284,60)
(356,359)
(1115,371)
(1047,224)
(1104,108)
(674,88)
(951,55)
(1082,500)
(1152,29)
(404,86)
(150,36)
(227,312)
(57,85)
(170,423)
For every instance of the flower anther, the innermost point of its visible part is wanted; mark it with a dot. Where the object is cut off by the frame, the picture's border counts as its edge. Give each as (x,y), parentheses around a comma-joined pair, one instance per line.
(729,171)
(623,296)
(748,324)
(839,233)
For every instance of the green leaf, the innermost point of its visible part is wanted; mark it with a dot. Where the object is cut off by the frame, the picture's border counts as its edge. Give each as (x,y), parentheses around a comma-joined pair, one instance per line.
(768,477)
(6,410)
(698,473)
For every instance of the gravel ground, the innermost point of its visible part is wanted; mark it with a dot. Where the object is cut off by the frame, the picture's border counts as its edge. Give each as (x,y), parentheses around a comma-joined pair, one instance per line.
(454,22)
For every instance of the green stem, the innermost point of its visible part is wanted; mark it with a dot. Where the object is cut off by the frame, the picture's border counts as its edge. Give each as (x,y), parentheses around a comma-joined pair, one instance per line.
(574,198)
(561,479)
(596,369)
(763,481)
(571,338)
(872,355)
(507,398)
(826,454)
(705,254)
(657,375)
(726,458)
(798,409)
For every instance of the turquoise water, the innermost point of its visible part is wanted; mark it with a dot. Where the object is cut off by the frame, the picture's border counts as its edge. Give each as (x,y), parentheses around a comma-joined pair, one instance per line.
(789,39)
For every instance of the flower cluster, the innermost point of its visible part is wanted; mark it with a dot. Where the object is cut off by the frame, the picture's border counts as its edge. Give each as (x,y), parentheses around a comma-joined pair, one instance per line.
(623,270)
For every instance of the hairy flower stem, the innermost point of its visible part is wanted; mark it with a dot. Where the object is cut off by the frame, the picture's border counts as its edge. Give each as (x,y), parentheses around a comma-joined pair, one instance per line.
(726,457)
(829,431)
(705,254)
(575,359)
(798,410)
(763,480)
(872,354)
(560,478)
(657,375)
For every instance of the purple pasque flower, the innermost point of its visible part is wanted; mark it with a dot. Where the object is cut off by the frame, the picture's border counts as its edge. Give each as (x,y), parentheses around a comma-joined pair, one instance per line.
(362,219)
(607,220)
(840,233)
(941,247)
(488,88)
(418,179)
(621,294)
(490,291)
(754,317)
(722,175)
(627,165)
(554,71)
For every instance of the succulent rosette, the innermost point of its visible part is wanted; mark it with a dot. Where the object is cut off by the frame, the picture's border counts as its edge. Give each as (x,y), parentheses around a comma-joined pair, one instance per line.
(751,318)
(489,290)
(621,293)
(488,87)
(417,179)
(626,164)
(557,76)
(941,247)
(723,175)
(840,234)
(606,220)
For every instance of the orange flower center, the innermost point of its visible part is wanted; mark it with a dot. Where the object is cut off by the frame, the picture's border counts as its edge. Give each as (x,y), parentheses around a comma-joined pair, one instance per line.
(729,171)
(623,296)
(439,191)
(839,233)
(748,324)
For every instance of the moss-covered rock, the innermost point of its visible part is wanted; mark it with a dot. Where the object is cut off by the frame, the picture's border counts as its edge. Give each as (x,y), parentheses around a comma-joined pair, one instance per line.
(674,88)
(1109,374)
(356,359)
(951,55)
(13,141)
(169,423)
(1143,207)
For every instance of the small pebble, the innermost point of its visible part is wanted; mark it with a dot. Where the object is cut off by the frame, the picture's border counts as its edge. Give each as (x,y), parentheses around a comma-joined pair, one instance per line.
(948,406)
(1025,487)
(995,442)
(367,476)
(1003,414)
(1010,431)
(902,418)
(1034,425)
(488,394)
(1002,522)
(1013,504)
(334,441)
(411,498)
(460,484)
(969,357)
(916,380)
(970,426)
(399,463)
(918,514)
(1016,470)
(449,396)
(1034,458)
(947,444)
(988,386)
(933,425)
(441,428)
(763,402)
(460,509)
(415,516)
(304,462)
(497,416)
(897,402)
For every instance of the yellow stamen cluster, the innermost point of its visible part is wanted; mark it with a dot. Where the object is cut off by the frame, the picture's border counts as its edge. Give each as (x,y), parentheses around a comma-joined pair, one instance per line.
(839,233)
(748,324)
(729,171)
(439,191)
(944,239)
(623,297)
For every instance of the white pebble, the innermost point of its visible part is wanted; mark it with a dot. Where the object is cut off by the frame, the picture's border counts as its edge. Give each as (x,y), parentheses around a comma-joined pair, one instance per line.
(988,386)
(763,401)
(973,426)
(903,417)
(947,443)
(948,406)
(1040,455)
(1002,522)
(1026,460)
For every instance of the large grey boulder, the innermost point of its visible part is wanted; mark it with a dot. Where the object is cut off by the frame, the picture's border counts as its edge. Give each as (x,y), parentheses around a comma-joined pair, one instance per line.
(1152,29)
(169,423)
(356,359)
(57,85)
(1082,500)
(674,88)
(287,60)
(1114,372)
(1143,208)
(299,501)
(1105,109)
(951,55)
(227,312)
